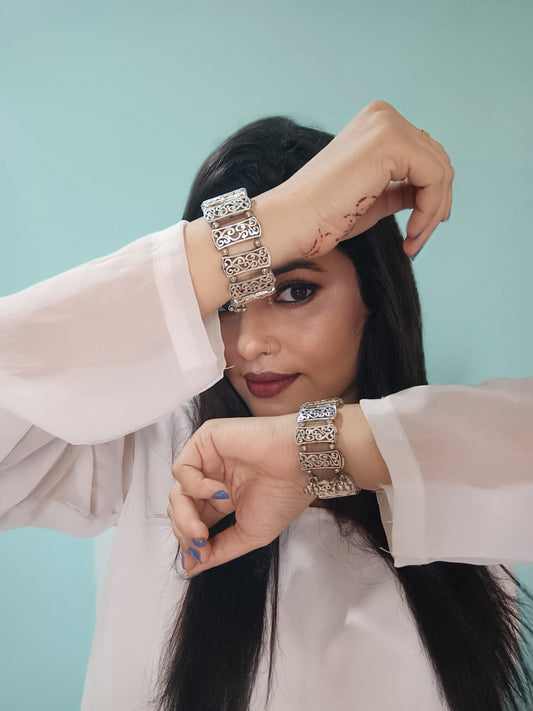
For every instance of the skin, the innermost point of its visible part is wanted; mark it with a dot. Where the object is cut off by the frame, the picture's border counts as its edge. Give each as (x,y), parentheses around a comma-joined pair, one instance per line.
(311,325)
(377,165)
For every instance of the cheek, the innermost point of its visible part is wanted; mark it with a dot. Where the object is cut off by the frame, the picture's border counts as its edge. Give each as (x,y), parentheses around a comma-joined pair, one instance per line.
(339,330)
(336,345)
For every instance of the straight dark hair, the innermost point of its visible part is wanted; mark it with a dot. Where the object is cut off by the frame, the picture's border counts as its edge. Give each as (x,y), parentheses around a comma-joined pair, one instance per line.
(468,623)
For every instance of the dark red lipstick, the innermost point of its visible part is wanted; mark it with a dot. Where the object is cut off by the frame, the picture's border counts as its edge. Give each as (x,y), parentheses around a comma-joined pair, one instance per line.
(268,384)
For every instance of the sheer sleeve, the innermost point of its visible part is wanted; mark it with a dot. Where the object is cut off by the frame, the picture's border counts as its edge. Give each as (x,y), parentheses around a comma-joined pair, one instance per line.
(110,346)
(47,482)
(86,359)
(461,465)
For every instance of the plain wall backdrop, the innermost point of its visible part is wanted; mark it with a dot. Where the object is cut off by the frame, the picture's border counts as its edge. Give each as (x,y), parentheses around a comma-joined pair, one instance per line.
(107,109)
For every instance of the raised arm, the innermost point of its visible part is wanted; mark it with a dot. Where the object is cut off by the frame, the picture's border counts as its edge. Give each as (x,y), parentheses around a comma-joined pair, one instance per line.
(108,347)
(86,359)
(379,164)
(452,466)
(114,345)
(124,331)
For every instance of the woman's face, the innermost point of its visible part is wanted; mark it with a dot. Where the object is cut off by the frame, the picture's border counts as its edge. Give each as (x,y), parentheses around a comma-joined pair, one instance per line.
(301,343)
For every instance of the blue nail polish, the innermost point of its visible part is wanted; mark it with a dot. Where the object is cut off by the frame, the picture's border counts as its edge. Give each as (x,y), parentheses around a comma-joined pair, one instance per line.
(220,495)
(195,554)
(200,542)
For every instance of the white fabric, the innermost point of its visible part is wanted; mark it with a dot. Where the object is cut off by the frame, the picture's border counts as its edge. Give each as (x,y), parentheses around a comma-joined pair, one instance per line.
(461,466)
(94,364)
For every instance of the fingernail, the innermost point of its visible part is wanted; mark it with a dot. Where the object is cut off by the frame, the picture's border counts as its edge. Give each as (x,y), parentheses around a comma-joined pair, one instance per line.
(200,542)
(220,495)
(195,554)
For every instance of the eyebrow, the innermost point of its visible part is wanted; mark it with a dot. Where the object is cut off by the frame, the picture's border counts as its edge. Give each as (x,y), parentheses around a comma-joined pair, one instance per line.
(298,264)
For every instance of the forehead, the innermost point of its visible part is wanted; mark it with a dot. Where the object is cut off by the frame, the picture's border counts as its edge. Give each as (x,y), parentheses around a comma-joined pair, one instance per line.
(335,262)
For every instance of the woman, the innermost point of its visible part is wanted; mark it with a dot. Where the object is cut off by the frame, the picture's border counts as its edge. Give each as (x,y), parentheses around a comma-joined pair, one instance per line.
(347,323)
(91,426)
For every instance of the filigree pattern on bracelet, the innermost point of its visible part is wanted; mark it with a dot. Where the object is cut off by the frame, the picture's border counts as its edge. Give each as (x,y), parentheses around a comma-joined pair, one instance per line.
(254,259)
(318,433)
(315,427)
(327,411)
(255,288)
(340,485)
(223,207)
(320,460)
(224,237)
(232,223)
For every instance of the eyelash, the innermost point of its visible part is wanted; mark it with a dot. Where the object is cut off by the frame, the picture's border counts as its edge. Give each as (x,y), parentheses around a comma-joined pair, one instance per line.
(297,284)
(310,286)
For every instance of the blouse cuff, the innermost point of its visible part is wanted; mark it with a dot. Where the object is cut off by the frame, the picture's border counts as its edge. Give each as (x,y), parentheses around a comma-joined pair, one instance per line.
(203,359)
(402,504)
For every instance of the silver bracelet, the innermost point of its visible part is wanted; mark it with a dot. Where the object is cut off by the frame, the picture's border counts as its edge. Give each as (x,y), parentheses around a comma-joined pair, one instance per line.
(232,223)
(315,426)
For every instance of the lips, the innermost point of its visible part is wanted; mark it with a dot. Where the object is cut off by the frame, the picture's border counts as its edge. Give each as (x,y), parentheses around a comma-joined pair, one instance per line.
(268,384)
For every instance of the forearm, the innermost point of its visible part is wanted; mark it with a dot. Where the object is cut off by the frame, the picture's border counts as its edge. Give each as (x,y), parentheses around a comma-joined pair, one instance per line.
(362,458)
(108,347)
(362,175)
(279,225)
(259,479)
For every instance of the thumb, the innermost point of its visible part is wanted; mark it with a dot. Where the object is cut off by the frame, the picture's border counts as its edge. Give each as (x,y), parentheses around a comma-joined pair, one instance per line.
(228,545)
(397,196)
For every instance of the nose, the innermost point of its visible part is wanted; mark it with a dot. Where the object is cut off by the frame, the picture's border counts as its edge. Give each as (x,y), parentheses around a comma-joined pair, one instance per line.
(256,335)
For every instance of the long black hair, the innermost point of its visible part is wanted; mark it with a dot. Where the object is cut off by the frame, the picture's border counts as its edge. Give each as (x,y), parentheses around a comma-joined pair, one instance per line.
(468,623)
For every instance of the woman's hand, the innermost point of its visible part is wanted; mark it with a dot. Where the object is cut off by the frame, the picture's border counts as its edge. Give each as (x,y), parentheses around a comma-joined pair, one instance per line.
(253,463)
(379,164)
(249,466)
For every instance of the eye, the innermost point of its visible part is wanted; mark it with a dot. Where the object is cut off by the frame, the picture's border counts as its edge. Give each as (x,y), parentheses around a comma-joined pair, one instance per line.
(295,292)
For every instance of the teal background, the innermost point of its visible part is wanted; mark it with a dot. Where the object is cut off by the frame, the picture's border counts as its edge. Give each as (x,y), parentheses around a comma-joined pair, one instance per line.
(107,109)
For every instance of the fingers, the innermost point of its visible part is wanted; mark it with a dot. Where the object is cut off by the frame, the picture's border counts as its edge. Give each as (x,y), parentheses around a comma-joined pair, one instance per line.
(191,532)
(428,210)
(194,483)
(422,178)
(195,504)
(225,546)
(432,176)
(188,470)
(399,195)
(416,240)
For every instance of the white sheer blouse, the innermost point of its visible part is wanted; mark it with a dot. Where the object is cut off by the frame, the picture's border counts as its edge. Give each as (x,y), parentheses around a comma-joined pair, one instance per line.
(94,366)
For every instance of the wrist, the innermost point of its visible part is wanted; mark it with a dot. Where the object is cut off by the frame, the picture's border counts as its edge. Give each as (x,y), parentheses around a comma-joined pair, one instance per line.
(279,213)
(209,282)
(319,457)
(363,460)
